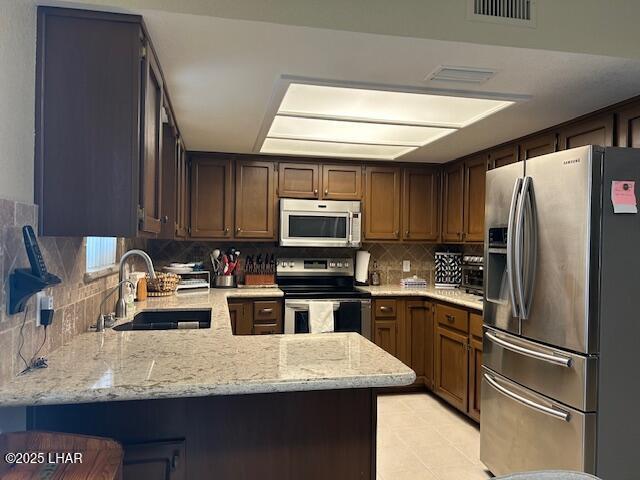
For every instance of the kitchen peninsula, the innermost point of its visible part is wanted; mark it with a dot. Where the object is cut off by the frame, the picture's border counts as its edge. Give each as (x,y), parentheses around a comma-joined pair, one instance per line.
(203,400)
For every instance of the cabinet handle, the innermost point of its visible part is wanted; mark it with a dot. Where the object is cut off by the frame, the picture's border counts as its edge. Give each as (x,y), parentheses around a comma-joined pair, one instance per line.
(396,233)
(326,191)
(315,191)
(406,234)
(238,230)
(174,460)
(385,309)
(165,219)
(266,310)
(450,318)
(226,230)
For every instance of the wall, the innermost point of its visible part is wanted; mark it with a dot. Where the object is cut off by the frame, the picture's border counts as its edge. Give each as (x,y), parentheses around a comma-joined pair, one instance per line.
(17,97)
(76,301)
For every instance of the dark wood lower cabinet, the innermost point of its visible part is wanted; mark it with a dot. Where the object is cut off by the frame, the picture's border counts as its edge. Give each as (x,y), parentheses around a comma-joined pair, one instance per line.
(155,460)
(278,436)
(441,342)
(256,317)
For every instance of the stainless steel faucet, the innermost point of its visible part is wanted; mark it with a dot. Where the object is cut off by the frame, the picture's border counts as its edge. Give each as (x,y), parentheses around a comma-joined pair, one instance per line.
(121,306)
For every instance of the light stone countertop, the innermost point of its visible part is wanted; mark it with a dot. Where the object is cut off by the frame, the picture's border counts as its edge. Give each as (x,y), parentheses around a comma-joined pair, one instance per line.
(455,295)
(136,365)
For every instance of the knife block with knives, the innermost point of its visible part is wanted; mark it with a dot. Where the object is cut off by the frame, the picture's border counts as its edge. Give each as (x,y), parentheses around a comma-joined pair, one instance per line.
(260,270)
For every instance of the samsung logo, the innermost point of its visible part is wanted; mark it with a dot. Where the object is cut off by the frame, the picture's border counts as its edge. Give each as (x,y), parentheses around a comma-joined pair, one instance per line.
(569,162)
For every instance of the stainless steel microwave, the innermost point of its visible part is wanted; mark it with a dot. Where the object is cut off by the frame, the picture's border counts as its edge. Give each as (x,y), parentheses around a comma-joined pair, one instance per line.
(316,223)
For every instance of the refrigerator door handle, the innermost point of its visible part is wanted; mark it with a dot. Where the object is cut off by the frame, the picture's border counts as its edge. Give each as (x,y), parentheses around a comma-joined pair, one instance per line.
(510,244)
(546,357)
(559,414)
(532,250)
(519,247)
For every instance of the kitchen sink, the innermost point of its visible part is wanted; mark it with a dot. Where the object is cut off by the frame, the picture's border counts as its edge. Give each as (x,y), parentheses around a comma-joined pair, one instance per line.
(168,320)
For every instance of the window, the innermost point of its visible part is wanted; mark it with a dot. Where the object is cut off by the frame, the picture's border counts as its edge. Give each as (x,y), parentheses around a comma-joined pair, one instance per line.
(101,253)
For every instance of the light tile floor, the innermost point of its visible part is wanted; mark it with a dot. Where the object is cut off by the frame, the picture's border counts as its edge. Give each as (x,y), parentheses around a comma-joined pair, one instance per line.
(422,438)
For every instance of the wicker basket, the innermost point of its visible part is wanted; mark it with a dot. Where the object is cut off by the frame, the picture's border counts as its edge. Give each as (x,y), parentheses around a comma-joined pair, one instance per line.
(164,283)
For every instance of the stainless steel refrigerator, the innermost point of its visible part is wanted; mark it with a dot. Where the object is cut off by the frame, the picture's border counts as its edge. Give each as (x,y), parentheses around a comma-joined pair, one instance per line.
(561,352)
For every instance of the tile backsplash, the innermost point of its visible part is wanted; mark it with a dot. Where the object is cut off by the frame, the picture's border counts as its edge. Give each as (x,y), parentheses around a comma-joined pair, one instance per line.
(388,256)
(76,302)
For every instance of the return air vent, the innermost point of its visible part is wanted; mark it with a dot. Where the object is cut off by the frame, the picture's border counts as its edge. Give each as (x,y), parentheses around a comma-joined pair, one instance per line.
(469,75)
(516,12)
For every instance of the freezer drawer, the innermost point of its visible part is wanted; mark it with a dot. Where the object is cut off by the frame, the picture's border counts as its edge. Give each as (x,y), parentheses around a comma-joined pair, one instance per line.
(565,376)
(523,431)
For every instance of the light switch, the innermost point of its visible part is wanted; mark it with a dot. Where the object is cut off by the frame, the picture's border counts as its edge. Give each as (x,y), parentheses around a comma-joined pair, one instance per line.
(406,266)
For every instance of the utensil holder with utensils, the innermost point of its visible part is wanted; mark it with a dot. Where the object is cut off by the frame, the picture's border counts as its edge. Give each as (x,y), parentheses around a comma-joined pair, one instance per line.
(224,281)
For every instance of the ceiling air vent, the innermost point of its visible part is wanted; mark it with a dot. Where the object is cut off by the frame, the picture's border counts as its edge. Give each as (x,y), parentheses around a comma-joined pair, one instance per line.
(516,12)
(468,75)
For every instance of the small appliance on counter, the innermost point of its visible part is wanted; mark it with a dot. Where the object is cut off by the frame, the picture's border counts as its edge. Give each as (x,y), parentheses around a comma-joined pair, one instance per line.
(473,274)
(413,282)
(362,267)
(448,269)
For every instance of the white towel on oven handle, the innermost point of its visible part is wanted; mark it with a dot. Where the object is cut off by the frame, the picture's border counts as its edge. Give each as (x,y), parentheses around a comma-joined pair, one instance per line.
(321,318)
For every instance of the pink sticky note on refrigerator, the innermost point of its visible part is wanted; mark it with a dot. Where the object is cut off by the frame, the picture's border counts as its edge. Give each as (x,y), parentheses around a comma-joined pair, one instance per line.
(623,196)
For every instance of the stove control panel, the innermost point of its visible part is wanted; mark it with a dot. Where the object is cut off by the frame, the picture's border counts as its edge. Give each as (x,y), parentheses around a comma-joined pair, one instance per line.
(315,266)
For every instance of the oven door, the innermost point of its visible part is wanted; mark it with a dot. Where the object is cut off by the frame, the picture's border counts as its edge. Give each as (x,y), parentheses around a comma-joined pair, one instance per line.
(350,315)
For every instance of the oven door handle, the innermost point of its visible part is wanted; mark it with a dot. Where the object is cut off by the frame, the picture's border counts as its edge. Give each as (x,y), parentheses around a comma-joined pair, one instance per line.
(304,306)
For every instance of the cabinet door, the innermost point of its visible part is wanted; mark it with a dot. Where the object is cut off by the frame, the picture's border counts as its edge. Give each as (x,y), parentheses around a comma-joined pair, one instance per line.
(170,182)
(419,328)
(342,182)
(151,149)
(382,209)
(420,204)
(386,336)
(155,461)
(592,131)
(475,170)
(255,200)
(500,157)
(298,180)
(475,377)
(451,367)
(629,126)
(211,198)
(453,202)
(536,146)
(241,317)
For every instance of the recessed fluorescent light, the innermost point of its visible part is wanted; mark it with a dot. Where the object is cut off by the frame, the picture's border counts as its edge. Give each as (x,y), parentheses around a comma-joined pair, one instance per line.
(332,149)
(300,128)
(381,106)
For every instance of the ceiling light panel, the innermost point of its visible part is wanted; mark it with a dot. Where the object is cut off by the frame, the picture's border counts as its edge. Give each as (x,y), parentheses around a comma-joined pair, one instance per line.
(332,149)
(321,101)
(301,128)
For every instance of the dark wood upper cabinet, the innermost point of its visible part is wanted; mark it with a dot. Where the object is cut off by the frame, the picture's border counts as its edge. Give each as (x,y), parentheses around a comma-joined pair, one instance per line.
(341,182)
(538,145)
(591,131)
(298,180)
(382,209)
(88,117)
(420,204)
(453,202)
(211,198)
(475,169)
(151,164)
(183,192)
(629,126)
(256,201)
(170,181)
(502,156)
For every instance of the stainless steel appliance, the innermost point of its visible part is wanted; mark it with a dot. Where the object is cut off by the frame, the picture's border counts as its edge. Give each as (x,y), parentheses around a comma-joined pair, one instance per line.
(307,280)
(559,388)
(315,223)
(472,270)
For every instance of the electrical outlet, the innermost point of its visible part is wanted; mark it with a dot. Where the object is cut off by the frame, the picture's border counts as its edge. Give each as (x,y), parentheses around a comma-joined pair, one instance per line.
(406,266)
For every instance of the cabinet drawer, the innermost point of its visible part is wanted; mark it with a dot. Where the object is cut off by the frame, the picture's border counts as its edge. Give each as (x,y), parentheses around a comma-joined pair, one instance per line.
(266,311)
(385,308)
(475,324)
(266,329)
(452,317)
